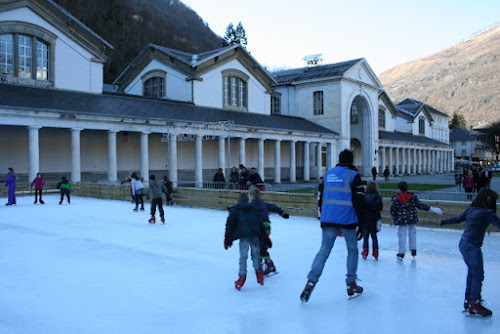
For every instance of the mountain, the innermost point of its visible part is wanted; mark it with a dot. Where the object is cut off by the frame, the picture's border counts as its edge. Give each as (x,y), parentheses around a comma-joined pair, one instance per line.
(129,25)
(464,78)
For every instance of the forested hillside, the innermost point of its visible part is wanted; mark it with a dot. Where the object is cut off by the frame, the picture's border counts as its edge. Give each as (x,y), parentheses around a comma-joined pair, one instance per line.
(129,25)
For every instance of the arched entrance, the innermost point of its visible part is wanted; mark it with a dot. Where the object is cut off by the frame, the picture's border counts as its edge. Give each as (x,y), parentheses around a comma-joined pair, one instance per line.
(360,129)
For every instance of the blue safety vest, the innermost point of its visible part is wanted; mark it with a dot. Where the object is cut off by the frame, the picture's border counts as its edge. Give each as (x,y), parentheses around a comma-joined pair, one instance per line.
(337,197)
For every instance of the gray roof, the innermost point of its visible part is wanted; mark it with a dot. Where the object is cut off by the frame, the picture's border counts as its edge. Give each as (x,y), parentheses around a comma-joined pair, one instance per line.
(191,58)
(462,135)
(413,107)
(306,73)
(135,107)
(406,137)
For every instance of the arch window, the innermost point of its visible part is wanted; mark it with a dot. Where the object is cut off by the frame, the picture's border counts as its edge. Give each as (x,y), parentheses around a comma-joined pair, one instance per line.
(154,84)
(235,90)
(354,114)
(381,119)
(421,125)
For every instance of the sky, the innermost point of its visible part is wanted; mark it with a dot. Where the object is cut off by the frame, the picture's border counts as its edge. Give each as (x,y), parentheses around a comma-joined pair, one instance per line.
(94,266)
(386,33)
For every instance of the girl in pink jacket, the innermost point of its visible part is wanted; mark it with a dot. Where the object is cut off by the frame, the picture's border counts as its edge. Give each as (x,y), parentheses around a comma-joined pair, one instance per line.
(39,184)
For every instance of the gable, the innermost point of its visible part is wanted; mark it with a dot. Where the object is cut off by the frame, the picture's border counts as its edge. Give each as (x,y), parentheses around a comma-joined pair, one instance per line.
(362,72)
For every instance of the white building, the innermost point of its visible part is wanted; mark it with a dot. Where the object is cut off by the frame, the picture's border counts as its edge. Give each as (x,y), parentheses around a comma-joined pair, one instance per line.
(190,114)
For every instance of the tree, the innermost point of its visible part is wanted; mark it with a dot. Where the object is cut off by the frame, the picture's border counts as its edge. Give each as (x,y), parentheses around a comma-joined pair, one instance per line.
(492,138)
(457,121)
(235,35)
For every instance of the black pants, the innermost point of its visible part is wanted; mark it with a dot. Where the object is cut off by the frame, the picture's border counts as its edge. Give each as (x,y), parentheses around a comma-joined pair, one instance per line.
(139,199)
(157,202)
(38,192)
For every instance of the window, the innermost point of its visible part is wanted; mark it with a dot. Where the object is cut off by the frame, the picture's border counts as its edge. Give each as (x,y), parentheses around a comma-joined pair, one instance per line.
(235,92)
(318,103)
(154,87)
(464,153)
(381,119)
(421,126)
(275,105)
(354,114)
(24,56)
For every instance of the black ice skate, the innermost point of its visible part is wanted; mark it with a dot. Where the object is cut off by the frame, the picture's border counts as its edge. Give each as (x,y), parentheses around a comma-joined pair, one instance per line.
(270,268)
(304,296)
(353,290)
(476,309)
(400,256)
(413,252)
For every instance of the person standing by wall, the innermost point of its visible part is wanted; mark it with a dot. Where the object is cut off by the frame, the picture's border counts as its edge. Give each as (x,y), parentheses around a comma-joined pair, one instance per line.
(342,200)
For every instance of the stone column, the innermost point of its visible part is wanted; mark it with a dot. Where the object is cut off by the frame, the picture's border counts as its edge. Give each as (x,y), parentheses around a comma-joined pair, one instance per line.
(306,161)
(198,161)
(319,167)
(391,159)
(222,156)
(331,155)
(293,164)
(277,161)
(172,159)
(260,159)
(112,169)
(397,160)
(242,151)
(76,174)
(34,152)
(145,157)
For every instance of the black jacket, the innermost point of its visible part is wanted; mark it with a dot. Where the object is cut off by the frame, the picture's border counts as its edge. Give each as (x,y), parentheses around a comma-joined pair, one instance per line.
(373,207)
(244,222)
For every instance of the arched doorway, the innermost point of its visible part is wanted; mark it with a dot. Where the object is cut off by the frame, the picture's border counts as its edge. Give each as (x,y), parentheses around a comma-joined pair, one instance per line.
(360,129)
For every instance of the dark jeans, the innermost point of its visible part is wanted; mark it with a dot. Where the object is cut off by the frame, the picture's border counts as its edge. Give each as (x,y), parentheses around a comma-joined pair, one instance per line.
(157,202)
(373,234)
(38,192)
(473,258)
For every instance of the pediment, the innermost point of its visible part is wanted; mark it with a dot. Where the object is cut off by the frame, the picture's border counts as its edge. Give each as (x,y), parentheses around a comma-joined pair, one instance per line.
(362,72)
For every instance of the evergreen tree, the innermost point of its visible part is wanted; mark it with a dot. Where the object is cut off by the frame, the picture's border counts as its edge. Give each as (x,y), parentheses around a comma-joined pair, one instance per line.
(235,35)
(457,121)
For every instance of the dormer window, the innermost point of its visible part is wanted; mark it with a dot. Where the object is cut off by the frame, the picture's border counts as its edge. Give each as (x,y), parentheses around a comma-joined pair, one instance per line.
(381,119)
(421,125)
(235,90)
(154,84)
(276,104)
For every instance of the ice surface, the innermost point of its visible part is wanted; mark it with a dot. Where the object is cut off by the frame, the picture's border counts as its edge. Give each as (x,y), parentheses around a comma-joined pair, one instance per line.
(97,267)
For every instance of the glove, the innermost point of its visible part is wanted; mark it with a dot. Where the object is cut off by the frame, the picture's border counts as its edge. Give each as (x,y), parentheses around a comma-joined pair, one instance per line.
(267,241)
(443,222)
(436,210)
(228,242)
(285,215)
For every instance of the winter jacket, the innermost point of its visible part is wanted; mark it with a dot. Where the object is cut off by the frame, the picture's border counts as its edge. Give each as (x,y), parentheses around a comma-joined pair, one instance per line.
(219,177)
(373,207)
(233,177)
(244,222)
(342,201)
(137,187)
(38,183)
(65,186)
(263,209)
(404,208)
(156,189)
(469,183)
(255,179)
(11,180)
(476,221)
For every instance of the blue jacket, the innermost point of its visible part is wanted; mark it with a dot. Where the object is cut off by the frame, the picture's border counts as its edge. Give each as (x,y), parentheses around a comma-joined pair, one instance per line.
(341,198)
(476,221)
(244,222)
(263,209)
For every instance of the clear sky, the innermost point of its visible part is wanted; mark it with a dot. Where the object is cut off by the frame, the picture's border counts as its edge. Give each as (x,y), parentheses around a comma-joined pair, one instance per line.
(386,33)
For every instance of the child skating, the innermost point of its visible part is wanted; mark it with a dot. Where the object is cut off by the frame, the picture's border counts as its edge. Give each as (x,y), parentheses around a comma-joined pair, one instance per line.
(477,217)
(65,187)
(243,223)
(373,207)
(154,191)
(39,184)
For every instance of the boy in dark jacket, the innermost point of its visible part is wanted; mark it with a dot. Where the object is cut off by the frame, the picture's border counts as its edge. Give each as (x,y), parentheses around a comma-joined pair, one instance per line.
(154,191)
(477,217)
(243,223)
(65,187)
(263,209)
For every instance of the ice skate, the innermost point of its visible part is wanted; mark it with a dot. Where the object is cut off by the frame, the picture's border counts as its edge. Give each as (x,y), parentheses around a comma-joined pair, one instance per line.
(353,290)
(260,277)
(400,256)
(240,282)
(42,202)
(36,201)
(136,209)
(162,218)
(364,253)
(270,268)
(152,220)
(306,293)
(60,202)
(466,303)
(476,309)
(413,252)
(142,209)
(375,253)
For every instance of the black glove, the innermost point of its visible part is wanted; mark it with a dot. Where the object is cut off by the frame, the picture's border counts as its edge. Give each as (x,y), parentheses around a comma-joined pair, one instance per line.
(285,215)
(360,232)
(228,242)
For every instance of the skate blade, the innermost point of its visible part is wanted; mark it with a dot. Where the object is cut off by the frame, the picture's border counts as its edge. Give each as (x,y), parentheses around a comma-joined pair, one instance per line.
(356,295)
(272,273)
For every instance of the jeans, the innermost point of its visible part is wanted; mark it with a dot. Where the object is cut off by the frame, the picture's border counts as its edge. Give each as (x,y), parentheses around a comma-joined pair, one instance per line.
(254,245)
(403,230)
(473,258)
(329,234)
(367,235)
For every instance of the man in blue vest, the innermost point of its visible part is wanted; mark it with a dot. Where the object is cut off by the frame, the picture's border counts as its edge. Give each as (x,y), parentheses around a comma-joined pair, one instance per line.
(343,201)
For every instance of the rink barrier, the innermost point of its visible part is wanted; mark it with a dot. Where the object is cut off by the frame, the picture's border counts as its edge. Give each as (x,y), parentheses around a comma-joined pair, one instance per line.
(296,204)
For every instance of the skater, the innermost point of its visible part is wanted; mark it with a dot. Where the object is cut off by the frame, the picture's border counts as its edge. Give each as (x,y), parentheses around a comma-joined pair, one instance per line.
(386,173)
(341,202)
(169,185)
(127,180)
(137,191)
(263,209)
(374,173)
(65,187)
(244,223)
(374,205)
(404,213)
(39,185)
(154,191)
(477,217)
(11,183)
